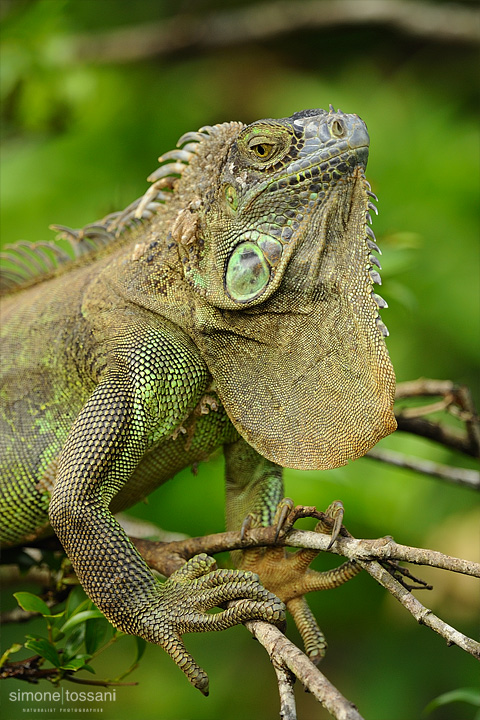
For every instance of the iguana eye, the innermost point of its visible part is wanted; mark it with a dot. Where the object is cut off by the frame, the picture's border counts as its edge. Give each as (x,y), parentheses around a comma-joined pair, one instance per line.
(264,143)
(247,272)
(262,150)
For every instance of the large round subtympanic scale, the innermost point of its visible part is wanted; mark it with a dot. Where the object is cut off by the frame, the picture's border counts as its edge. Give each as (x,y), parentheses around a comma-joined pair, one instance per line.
(248,272)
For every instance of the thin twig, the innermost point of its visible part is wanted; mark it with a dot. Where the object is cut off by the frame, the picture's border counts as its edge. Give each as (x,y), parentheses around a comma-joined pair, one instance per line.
(465,400)
(423,410)
(382,549)
(424,387)
(420,556)
(286,653)
(422,614)
(434,431)
(458,476)
(31,671)
(457,400)
(15,615)
(285,680)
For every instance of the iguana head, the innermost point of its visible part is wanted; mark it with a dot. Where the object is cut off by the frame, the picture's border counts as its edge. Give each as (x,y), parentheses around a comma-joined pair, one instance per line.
(277,249)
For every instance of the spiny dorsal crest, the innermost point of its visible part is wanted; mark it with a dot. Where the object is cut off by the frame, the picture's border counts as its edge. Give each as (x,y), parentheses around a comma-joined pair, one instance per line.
(25,263)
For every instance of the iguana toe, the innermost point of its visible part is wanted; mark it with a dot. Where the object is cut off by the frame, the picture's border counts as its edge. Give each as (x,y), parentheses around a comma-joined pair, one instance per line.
(188,595)
(313,638)
(288,575)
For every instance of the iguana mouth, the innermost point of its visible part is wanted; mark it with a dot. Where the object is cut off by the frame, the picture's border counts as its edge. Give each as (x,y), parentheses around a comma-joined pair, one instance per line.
(322,171)
(329,144)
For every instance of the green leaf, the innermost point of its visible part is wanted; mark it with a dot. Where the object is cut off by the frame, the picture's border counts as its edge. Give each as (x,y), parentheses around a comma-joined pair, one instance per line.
(77,601)
(80,618)
(12,649)
(73,644)
(95,632)
(42,647)
(468,695)
(75,664)
(32,603)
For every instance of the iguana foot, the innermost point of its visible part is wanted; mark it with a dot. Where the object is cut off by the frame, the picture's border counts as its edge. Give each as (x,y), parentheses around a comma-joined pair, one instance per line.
(288,574)
(183,607)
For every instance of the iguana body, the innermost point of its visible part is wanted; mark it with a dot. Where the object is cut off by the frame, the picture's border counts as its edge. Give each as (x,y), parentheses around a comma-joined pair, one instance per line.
(238,312)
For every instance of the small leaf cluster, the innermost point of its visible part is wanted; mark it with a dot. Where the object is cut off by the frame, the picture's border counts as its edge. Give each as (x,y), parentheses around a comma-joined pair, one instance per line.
(74,636)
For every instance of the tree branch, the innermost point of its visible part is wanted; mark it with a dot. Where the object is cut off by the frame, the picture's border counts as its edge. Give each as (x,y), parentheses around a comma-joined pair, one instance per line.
(457,400)
(458,476)
(285,654)
(169,557)
(285,680)
(366,552)
(434,431)
(186,32)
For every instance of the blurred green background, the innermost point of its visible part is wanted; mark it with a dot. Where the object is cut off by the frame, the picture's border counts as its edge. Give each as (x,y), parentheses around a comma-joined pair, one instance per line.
(92,92)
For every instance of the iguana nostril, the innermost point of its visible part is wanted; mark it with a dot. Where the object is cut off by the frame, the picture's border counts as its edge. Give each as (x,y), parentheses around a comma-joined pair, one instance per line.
(337,128)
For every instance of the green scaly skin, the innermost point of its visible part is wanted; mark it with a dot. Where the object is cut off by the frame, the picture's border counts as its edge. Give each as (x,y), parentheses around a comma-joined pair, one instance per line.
(238,313)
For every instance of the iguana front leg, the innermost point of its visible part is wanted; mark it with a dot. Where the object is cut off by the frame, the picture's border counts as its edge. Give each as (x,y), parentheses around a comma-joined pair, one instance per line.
(104,446)
(255,498)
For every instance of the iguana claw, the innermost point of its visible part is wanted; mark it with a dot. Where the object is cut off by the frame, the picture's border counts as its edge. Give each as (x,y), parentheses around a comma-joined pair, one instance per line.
(335,511)
(284,509)
(329,522)
(187,596)
(288,574)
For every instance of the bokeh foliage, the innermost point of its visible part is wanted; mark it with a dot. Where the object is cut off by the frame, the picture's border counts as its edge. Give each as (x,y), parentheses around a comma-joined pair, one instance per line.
(78,138)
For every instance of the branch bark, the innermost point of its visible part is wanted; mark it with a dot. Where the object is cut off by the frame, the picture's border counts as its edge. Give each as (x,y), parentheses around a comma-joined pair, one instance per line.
(285,654)
(169,557)
(458,476)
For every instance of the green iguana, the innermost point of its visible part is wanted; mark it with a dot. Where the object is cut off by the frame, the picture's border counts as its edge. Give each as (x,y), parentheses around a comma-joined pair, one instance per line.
(231,305)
